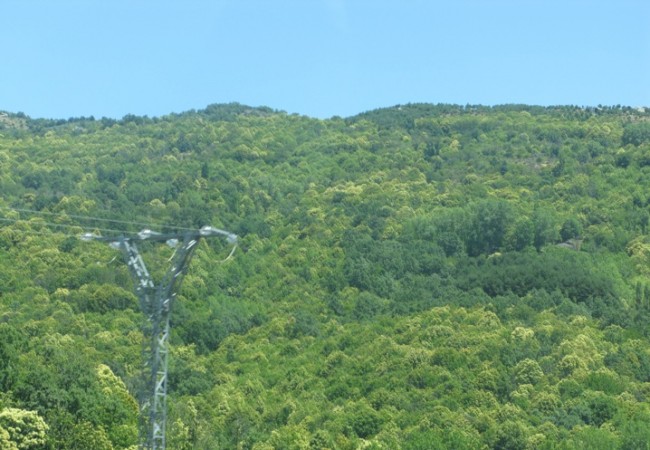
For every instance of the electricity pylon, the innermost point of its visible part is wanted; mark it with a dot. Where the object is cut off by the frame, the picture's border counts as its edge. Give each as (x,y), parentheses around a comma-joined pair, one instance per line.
(156,303)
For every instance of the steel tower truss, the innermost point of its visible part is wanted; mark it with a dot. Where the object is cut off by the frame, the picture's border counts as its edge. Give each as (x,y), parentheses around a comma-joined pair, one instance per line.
(156,303)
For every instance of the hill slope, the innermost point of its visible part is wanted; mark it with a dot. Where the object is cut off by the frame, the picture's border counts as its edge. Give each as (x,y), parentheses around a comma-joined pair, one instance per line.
(400,283)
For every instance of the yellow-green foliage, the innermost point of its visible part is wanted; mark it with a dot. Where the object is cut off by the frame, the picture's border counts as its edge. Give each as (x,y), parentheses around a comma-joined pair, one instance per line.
(21,430)
(407,278)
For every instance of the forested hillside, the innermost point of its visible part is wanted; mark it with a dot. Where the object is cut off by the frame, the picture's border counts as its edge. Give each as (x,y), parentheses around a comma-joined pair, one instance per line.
(416,277)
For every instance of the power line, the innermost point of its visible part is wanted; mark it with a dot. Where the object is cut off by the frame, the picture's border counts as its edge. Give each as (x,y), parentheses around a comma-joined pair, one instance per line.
(91,218)
(39,233)
(57,225)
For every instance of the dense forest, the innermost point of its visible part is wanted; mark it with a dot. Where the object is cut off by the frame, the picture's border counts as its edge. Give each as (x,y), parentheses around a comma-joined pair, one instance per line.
(415,277)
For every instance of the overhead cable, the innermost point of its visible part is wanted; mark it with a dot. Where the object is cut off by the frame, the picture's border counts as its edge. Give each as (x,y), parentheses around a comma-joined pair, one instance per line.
(91,218)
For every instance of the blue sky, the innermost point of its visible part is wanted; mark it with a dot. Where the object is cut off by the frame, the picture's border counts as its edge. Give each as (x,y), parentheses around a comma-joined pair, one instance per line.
(71,58)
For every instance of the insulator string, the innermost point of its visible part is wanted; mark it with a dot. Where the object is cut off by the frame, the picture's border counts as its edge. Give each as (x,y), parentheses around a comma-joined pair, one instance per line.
(117,233)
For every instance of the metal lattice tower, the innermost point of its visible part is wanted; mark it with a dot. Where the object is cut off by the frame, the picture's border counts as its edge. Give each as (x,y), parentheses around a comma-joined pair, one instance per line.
(156,303)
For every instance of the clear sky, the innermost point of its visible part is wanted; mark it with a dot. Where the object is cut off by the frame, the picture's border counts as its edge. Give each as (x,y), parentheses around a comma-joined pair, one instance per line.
(71,58)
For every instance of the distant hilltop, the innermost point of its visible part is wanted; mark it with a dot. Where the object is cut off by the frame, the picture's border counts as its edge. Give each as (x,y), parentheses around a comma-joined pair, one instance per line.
(229,111)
